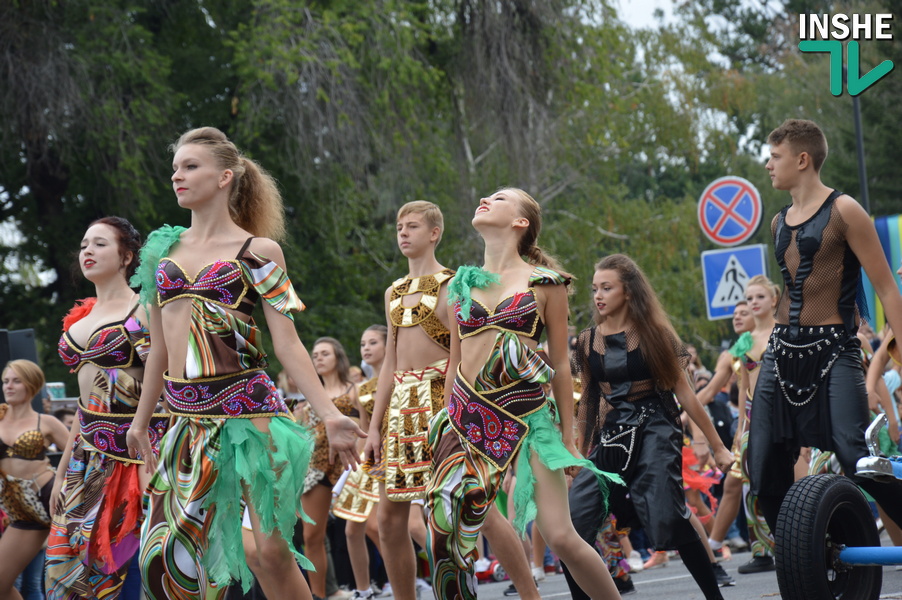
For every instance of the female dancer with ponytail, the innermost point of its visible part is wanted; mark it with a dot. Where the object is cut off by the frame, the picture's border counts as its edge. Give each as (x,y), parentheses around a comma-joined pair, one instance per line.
(97,519)
(633,369)
(233,443)
(496,411)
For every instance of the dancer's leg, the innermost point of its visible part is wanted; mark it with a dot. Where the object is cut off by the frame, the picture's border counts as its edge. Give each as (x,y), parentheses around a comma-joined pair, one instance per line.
(278,573)
(316,504)
(508,550)
(17,549)
(400,561)
(584,563)
(355,533)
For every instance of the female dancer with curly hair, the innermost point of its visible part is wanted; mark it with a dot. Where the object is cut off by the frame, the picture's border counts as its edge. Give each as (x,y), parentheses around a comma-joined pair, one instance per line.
(97,519)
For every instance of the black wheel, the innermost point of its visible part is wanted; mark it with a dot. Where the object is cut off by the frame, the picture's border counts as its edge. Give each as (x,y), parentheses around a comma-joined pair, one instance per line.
(820,513)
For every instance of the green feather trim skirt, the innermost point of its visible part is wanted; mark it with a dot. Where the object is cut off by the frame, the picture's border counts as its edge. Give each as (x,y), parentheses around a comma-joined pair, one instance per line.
(545,441)
(191,542)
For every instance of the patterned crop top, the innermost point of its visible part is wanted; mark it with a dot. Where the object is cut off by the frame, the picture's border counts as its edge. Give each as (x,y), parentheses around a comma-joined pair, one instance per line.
(220,282)
(219,341)
(112,346)
(518,313)
(28,446)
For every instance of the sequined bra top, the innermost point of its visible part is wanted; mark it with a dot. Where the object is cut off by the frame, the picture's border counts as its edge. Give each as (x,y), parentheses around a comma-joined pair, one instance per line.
(28,446)
(108,347)
(220,282)
(518,313)
(750,363)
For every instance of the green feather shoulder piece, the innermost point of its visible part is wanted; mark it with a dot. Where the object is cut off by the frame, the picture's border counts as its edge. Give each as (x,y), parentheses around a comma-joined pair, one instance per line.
(742,345)
(467,278)
(155,248)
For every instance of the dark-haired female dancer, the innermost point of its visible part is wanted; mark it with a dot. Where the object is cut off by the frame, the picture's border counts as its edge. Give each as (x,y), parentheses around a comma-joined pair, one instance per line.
(632,367)
(97,519)
(234,443)
(496,408)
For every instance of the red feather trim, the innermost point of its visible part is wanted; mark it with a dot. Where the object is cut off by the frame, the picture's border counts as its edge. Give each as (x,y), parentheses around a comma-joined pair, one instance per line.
(122,505)
(78,312)
(694,480)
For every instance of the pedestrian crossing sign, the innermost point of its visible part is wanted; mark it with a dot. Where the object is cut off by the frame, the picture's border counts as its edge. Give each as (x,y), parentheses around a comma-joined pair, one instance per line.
(726,273)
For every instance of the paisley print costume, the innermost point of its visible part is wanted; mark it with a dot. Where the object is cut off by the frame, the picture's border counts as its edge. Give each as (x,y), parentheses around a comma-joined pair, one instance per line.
(502,416)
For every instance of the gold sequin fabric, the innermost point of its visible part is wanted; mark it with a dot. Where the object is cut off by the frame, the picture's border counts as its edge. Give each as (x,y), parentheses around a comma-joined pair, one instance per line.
(423,313)
(366,394)
(361,491)
(416,397)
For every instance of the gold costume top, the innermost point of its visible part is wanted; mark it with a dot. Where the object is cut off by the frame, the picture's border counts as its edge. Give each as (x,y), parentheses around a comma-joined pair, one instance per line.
(423,313)
(366,394)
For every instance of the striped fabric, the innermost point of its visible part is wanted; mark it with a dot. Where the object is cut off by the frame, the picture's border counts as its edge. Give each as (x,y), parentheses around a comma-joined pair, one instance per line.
(889,231)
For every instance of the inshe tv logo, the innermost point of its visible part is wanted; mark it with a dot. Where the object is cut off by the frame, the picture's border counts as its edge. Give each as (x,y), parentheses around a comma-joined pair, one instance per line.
(826,33)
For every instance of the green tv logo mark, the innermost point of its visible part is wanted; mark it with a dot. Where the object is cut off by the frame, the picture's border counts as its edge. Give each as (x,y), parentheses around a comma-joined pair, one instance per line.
(856,83)
(832,31)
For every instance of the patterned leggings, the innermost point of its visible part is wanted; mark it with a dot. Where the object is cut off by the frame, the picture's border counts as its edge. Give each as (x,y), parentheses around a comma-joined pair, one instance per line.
(759,533)
(459,495)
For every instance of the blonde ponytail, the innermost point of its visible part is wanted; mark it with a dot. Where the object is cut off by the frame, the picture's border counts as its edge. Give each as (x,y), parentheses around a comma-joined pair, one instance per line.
(255,203)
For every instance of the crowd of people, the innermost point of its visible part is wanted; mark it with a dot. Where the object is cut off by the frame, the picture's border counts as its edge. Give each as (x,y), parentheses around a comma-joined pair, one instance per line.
(479,422)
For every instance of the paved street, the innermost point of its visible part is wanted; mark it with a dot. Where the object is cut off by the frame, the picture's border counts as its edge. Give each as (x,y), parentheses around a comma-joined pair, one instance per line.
(674,583)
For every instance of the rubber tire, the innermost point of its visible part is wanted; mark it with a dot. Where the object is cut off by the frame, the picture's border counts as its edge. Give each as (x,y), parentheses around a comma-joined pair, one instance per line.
(818,512)
(498,573)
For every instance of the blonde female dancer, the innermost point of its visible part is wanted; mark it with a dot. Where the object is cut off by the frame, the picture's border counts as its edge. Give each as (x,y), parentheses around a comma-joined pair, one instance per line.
(234,442)
(496,409)
(360,493)
(26,477)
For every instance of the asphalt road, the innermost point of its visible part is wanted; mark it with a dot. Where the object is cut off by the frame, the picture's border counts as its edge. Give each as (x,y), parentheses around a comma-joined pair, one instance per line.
(674,583)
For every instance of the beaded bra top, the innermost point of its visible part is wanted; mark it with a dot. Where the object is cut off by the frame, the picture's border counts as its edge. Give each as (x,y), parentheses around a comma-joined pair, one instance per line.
(220,282)
(28,446)
(108,347)
(518,313)
(423,313)
(750,363)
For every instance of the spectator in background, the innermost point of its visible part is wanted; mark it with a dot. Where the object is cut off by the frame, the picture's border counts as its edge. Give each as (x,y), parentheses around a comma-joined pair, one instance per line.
(29,477)
(66,416)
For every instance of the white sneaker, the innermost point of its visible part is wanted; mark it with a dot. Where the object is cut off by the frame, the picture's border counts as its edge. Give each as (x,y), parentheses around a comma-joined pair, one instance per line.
(538,573)
(386,591)
(635,562)
(423,585)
